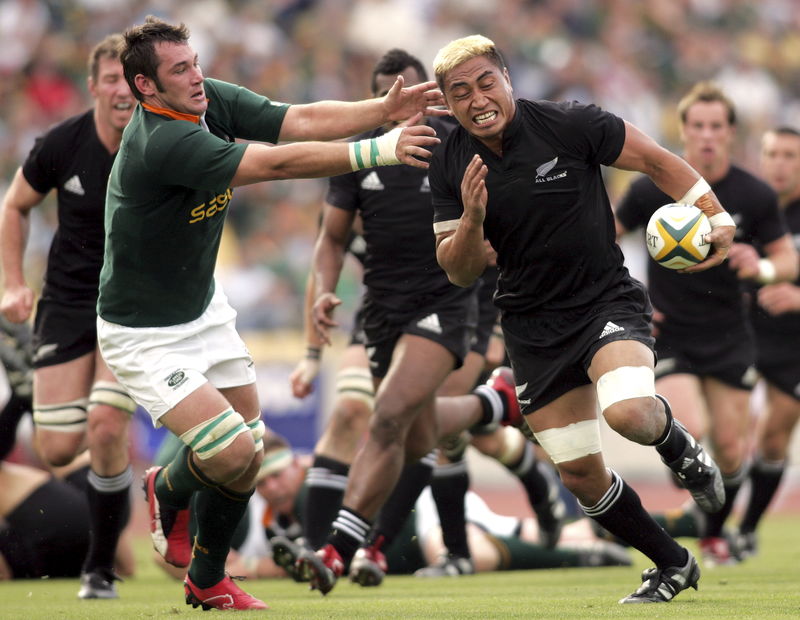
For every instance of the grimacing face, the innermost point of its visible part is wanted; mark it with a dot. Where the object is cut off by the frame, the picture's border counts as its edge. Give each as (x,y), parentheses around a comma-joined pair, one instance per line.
(479,95)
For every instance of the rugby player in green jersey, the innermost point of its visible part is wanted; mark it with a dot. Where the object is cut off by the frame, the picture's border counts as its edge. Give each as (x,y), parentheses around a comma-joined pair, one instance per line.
(165,329)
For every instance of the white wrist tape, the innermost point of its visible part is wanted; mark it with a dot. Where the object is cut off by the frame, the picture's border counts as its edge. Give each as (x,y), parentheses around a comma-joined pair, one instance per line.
(721,219)
(766,271)
(380,151)
(695,191)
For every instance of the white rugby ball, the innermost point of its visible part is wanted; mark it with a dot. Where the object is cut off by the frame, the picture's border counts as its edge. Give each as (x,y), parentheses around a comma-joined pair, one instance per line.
(676,236)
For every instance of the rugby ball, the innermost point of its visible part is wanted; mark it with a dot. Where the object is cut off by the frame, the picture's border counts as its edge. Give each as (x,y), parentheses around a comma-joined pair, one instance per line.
(676,236)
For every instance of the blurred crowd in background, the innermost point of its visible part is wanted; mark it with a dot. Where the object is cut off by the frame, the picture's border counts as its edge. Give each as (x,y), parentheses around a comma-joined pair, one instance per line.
(635,58)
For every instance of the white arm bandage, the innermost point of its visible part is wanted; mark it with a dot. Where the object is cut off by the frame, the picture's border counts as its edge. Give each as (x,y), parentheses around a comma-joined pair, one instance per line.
(701,188)
(695,191)
(380,151)
(721,219)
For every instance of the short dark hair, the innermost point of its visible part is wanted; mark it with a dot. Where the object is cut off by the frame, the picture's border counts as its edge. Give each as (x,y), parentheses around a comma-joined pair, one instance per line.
(396,61)
(785,130)
(139,54)
(706,92)
(110,47)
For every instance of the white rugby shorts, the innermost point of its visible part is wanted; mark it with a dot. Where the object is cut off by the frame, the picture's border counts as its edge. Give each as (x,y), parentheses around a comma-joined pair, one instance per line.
(160,366)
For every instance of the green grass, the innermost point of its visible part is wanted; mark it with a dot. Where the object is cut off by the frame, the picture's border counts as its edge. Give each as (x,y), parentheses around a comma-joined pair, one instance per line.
(767,586)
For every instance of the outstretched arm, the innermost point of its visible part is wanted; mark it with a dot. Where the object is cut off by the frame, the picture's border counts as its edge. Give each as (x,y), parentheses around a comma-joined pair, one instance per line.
(330,120)
(676,178)
(305,160)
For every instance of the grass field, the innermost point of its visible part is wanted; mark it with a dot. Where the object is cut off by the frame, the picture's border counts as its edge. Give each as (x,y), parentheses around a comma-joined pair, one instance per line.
(767,586)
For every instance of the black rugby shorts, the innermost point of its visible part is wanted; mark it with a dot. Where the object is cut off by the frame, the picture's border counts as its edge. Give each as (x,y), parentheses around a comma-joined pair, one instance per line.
(449,321)
(728,356)
(62,332)
(551,352)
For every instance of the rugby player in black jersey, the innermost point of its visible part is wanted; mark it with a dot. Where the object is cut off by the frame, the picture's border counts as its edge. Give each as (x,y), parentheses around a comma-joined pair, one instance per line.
(348,422)
(417,329)
(527,176)
(776,321)
(705,347)
(76,400)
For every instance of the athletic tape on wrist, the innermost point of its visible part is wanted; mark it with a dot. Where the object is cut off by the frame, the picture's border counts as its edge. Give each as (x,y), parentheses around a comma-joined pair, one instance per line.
(721,219)
(766,271)
(695,191)
(380,151)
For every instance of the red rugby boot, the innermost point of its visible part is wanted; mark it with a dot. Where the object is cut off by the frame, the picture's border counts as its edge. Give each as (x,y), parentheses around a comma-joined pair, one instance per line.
(169,527)
(224,595)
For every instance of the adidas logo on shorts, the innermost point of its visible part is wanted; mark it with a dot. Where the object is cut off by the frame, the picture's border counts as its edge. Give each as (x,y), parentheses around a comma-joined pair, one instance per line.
(610,328)
(431,323)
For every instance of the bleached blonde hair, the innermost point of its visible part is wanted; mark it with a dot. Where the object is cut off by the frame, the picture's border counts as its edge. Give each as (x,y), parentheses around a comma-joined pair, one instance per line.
(461,50)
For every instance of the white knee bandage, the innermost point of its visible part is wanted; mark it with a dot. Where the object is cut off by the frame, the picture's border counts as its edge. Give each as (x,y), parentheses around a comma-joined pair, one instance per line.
(571,442)
(257,428)
(211,437)
(356,383)
(67,417)
(623,383)
(111,394)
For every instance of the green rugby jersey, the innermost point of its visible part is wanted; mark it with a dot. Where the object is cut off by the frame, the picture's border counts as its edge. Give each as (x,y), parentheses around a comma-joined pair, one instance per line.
(168,194)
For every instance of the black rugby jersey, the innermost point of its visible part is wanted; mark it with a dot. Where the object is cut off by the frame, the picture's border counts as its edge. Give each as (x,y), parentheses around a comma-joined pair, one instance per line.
(548,214)
(710,299)
(71,159)
(778,336)
(400,267)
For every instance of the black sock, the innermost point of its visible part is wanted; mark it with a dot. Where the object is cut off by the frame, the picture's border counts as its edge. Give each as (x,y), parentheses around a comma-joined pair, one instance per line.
(532,477)
(765,477)
(449,485)
(348,533)
(400,503)
(218,512)
(620,511)
(326,482)
(493,405)
(109,512)
(732,483)
(673,440)
(9,420)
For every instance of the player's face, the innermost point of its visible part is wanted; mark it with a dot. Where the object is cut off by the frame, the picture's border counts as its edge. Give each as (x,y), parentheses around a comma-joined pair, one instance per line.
(780,163)
(280,488)
(479,95)
(707,135)
(383,82)
(113,99)
(181,79)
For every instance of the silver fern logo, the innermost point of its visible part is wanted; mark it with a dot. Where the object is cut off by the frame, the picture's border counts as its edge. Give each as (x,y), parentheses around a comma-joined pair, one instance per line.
(543,170)
(546,167)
